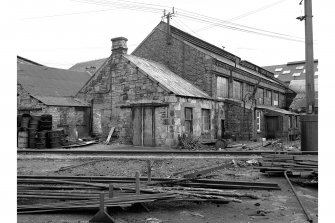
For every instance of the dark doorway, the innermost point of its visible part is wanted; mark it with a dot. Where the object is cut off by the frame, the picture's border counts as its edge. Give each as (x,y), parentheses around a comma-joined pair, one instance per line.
(143,126)
(222,129)
(271,126)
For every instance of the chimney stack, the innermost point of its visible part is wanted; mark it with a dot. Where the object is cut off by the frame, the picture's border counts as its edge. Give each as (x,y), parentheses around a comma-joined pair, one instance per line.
(119,46)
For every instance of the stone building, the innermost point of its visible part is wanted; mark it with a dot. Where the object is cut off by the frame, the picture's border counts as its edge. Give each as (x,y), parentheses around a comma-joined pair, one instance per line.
(176,83)
(227,79)
(46,90)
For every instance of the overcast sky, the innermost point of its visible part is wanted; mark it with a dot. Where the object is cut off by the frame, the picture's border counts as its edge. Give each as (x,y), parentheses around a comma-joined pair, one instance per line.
(64,32)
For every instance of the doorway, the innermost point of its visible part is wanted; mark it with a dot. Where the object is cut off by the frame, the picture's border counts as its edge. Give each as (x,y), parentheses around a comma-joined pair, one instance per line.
(143,126)
(271,126)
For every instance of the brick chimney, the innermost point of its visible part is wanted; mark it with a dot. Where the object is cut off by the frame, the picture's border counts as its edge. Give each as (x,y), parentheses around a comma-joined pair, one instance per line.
(119,46)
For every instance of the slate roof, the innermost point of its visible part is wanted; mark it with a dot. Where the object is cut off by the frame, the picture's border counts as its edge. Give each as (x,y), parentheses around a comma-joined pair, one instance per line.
(221,54)
(275,109)
(47,81)
(62,101)
(23,60)
(167,78)
(88,66)
(291,70)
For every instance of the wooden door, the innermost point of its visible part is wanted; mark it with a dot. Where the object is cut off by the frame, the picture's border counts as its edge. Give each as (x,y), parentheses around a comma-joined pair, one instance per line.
(143,126)
(271,126)
(137,126)
(148,134)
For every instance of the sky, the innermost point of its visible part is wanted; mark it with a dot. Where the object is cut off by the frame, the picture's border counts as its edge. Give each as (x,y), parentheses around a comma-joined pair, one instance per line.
(64,32)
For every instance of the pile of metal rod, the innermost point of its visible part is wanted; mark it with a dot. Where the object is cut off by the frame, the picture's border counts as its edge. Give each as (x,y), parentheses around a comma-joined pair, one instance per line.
(82,192)
(295,165)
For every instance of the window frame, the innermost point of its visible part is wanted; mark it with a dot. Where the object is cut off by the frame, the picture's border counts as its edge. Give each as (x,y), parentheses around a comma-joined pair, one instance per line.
(222,92)
(203,124)
(189,120)
(258,121)
(240,90)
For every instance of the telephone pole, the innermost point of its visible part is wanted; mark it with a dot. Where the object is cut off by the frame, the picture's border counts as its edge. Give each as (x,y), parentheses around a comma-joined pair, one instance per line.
(309,122)
(310,94)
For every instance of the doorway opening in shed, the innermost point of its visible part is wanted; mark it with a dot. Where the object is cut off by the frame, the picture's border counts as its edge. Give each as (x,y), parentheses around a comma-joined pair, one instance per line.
(143,126)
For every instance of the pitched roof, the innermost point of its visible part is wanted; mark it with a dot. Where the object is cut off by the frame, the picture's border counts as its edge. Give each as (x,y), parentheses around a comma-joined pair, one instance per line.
(62,101)
(275,109)
(167,78)
(90,66)
(222,55)
(48,81)
(23,60)
(291,71)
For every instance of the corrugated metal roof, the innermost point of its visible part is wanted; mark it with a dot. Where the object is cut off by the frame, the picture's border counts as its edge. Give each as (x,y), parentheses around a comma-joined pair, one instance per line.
(88,66)
(167,78)
(275,109)
(62,101)
(47,81)
(291,70)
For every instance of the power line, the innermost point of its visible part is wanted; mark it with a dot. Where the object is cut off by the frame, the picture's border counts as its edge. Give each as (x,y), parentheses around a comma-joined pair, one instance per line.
(244,15)
(67,14)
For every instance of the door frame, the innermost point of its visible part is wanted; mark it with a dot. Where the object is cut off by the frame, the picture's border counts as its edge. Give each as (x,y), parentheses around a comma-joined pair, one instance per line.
(142,124)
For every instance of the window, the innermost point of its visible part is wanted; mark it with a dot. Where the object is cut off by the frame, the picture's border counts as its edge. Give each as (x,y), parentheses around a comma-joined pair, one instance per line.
(279,69)
(205,116)
(290,122)
(222,87)
(268,93)
(258,120)
(260,96)
(299,67)
(275,99)
(316,73)
(188,120)
(286,71)
(296,74)
(276,75)
(296,121)
(249,88)
(237,90)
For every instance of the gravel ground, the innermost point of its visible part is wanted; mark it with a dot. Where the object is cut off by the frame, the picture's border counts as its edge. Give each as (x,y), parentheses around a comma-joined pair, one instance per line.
(282,205)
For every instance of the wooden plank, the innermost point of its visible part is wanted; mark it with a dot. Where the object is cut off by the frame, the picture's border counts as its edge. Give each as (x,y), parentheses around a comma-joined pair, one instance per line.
(110,135)
(147,127)
(137,126)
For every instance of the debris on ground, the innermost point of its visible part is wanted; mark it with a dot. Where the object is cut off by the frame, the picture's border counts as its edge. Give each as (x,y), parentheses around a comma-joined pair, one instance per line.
(189,142)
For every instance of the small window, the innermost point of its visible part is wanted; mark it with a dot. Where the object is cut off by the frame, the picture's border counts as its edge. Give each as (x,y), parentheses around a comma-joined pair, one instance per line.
(296,74)
(205,116)
(290,122)
(286,71)
(296,121)
(316,73)
(279,69)
(276,75)
(260,96)
(188,120)
(275,99)
(258,120)
(299,67)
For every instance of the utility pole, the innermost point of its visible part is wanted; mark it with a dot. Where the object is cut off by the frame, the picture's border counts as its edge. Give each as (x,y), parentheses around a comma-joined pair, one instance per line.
(309,122)
(310,95)
(168,17)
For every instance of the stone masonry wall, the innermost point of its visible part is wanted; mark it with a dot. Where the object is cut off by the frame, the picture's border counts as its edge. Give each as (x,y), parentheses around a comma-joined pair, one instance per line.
(182,59)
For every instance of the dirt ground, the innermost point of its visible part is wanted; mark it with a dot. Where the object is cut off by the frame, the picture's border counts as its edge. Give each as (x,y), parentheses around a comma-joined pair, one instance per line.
(280,206)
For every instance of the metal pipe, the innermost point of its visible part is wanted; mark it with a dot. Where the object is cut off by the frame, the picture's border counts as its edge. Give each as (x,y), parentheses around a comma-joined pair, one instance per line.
(295,193)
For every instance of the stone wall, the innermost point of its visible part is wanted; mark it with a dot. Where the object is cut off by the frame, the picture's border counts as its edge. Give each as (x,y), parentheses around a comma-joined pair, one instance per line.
(181,58)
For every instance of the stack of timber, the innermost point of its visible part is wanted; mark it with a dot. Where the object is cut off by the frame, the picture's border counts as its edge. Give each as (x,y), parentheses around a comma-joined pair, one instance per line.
(295,165)
(82,192)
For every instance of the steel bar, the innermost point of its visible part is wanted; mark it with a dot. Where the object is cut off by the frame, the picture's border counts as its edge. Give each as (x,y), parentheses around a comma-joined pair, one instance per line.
(151,152)
(296,195)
